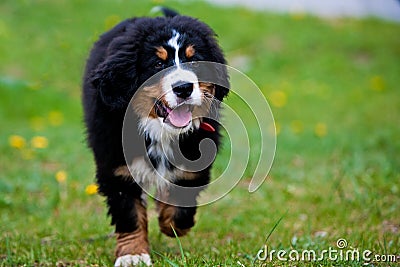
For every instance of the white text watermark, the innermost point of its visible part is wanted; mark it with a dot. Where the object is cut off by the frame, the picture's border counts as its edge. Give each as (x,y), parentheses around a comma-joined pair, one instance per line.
(340,253)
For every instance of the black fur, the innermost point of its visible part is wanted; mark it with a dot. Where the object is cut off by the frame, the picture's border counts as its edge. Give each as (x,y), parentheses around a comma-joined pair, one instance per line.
(120,61)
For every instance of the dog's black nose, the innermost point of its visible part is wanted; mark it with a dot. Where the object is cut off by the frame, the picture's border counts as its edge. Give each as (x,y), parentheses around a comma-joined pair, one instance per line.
(183,90)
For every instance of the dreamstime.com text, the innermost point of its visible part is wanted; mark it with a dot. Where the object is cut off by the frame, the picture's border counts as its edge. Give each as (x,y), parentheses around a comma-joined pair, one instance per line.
(341,253)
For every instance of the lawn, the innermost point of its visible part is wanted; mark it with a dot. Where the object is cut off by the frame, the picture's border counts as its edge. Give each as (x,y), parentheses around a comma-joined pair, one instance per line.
(333,87)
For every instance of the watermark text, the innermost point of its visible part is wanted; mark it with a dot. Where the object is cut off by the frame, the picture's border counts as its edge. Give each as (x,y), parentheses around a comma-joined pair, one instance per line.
(341,252)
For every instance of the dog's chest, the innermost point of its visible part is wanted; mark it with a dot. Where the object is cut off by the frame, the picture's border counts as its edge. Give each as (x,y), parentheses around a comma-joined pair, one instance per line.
(160,155)
(155,168)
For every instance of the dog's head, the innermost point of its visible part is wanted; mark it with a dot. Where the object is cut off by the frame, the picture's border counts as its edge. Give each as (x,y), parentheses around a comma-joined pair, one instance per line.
(177,98)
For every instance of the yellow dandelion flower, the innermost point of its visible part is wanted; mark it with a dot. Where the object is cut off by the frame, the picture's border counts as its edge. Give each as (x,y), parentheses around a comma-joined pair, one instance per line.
(297,126)
(17,141)
(56,118)
(321,129)
(111,21)
(61,176)
(278,98)
(39,142)
(377,83)
(91,189)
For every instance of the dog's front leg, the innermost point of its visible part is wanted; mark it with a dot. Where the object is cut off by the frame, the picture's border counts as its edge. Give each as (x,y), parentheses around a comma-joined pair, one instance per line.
(128,213)
(133,247)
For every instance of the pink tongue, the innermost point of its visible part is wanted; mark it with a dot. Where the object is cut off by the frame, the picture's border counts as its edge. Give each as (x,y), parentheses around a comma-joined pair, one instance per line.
(180,116)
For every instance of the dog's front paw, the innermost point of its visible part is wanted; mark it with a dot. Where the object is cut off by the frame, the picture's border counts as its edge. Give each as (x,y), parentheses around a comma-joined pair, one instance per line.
(133,260)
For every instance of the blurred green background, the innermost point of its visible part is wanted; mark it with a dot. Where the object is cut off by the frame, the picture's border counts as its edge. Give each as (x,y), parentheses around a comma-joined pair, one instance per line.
(333,86)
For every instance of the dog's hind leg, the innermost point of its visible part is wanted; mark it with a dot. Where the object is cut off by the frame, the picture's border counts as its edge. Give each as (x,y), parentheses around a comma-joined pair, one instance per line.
(172,217)
(180,219)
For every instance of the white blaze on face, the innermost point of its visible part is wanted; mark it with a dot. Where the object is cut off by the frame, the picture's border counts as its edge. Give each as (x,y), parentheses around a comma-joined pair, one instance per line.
(173,42)
(180,75)
(180,115)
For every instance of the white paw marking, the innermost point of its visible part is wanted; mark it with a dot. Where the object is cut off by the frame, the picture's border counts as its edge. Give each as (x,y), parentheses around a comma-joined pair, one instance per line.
(133,260)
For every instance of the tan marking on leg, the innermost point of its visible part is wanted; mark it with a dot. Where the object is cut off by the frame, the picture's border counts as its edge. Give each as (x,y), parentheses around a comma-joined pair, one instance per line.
(134,243)
(162,53)
(166,220)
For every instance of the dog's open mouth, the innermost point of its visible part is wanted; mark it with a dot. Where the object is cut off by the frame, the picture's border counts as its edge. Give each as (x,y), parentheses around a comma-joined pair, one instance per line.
(178,117)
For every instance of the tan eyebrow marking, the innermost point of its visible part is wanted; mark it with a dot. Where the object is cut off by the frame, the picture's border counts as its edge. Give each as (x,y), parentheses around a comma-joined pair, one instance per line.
(162,53)
(189,52)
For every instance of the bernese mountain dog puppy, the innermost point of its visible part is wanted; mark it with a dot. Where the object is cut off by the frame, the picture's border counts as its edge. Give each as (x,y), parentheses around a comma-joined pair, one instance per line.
(175,108)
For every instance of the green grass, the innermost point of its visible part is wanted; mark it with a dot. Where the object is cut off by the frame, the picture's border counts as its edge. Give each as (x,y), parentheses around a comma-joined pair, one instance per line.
(333,86)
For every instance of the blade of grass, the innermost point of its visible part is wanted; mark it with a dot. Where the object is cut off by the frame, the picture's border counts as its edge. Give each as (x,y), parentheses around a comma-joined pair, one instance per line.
(276,224)
(180,246)
(270,233)
(8,250)
(166,259)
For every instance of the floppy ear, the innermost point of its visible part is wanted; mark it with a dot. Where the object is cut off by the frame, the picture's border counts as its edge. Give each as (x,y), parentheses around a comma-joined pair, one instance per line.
(114,78)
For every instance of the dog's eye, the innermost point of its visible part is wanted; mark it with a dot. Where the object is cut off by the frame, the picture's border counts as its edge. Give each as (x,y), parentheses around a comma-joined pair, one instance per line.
(159,65)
